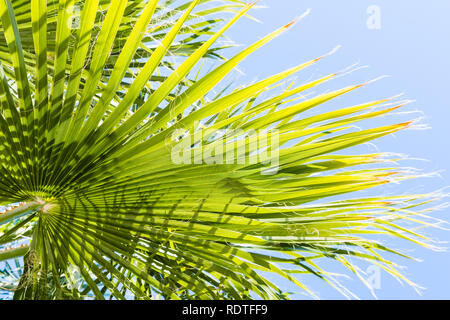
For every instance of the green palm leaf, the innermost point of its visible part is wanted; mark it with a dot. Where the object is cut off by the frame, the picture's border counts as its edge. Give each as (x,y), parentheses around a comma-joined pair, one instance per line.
(96,113)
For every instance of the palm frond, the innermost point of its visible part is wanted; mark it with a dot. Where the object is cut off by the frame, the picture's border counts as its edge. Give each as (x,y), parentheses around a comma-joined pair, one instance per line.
(136,180)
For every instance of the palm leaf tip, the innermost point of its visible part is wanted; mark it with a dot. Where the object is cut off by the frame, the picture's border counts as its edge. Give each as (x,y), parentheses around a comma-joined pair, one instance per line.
(88,115)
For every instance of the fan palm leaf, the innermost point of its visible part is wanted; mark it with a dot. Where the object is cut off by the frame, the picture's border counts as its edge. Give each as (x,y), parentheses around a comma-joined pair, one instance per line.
(95,116)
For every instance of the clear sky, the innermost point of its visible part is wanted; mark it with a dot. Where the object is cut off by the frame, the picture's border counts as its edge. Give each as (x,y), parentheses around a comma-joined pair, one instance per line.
(411,46)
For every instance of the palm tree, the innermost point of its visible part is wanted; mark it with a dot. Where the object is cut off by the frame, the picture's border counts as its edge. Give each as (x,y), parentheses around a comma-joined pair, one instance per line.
(105,109)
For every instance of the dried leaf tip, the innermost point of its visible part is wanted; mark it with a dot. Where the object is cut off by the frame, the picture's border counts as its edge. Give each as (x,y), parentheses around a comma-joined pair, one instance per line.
(298,18)
(333,51)
(405,125)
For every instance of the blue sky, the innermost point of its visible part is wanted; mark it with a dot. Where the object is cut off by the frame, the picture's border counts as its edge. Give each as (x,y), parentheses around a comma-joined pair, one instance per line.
(412,47)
